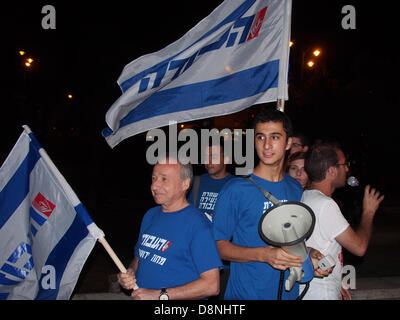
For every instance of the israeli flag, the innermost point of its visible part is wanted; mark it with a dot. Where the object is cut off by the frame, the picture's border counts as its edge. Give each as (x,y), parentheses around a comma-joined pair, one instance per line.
(46,234)
(234,58)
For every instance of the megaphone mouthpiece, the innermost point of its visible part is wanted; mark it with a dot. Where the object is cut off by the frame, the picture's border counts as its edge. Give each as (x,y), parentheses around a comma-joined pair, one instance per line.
(289,232)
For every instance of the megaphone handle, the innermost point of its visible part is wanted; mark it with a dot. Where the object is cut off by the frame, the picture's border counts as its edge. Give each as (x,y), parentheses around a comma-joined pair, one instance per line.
(294,276)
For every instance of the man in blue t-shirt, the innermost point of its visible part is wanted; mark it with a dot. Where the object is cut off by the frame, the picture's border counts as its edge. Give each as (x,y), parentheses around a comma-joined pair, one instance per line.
(176,256)
(255,266)
(206,187)
(205,190)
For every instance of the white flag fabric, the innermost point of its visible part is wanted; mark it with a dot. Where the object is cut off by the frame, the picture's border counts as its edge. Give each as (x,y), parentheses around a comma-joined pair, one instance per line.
(46,234)
(234,58)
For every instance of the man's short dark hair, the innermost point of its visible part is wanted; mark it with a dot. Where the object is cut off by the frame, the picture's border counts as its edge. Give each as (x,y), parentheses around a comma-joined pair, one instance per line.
(319,159)
(272,114)
(220,143)
(303,138)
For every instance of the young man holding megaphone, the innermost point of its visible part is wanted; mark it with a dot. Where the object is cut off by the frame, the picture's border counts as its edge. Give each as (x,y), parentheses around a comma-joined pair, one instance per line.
(256,267)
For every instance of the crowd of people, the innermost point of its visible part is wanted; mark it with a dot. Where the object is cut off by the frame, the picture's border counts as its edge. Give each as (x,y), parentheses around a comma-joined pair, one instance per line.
(202,239)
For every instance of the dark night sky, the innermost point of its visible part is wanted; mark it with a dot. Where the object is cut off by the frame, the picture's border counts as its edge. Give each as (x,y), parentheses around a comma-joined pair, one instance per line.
(352,97)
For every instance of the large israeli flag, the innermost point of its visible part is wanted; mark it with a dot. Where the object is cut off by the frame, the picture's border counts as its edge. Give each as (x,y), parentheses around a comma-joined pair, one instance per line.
(232,59)
(46,234)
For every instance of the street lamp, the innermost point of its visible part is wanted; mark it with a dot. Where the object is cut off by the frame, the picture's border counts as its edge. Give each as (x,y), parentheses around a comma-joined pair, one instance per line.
(28,62)
(316,52)
(306,61)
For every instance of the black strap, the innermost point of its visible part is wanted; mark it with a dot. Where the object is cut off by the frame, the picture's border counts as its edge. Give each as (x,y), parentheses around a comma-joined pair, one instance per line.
(196,185)
(266,194)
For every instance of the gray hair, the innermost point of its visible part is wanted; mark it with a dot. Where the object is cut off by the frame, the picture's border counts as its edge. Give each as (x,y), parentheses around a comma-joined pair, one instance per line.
(186,169)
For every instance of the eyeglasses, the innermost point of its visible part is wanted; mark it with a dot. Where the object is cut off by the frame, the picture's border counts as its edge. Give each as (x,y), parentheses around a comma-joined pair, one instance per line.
(296,145)
(347,164)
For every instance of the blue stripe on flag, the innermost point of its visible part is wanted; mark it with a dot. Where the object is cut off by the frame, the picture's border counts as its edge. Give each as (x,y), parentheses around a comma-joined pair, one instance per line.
(237,86)
(19,251)
(61,254)
(15,271)
(33,230)
(3,296)
(82,212)
(17,187)
(35,141)
(37,217)
(6,281)
(29,264)
(242,9)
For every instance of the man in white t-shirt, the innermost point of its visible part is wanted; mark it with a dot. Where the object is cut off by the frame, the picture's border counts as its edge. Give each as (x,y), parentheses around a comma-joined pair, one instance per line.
(327,169)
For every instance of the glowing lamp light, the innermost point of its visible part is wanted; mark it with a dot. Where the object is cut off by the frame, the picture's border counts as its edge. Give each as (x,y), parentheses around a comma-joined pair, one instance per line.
(316,53)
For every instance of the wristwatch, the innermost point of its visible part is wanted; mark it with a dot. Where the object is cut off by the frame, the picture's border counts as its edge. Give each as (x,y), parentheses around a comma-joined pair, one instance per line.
(163,294)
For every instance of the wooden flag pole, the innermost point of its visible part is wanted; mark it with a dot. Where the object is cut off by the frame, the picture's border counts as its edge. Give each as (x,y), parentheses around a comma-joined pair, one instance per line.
(280,105)
(114,257)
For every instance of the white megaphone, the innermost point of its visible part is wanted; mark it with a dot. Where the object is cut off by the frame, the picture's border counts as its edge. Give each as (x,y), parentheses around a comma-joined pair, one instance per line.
(288,225)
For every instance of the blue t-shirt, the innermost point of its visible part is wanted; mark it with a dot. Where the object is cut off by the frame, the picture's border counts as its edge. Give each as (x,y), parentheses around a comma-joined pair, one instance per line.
(207,194)
(237,215)
(174,248)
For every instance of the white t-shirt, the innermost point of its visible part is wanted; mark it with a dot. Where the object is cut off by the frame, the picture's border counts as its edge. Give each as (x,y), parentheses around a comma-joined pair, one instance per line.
(329,223)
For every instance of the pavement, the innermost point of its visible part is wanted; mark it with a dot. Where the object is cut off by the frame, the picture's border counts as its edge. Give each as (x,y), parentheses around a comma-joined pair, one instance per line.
(382,288)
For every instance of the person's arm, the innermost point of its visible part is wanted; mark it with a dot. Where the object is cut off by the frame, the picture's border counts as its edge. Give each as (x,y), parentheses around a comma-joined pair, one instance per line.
(276,257)
(315,256)
(133,266)
(207,285)
(357,241)
(345,294)
(127,280)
